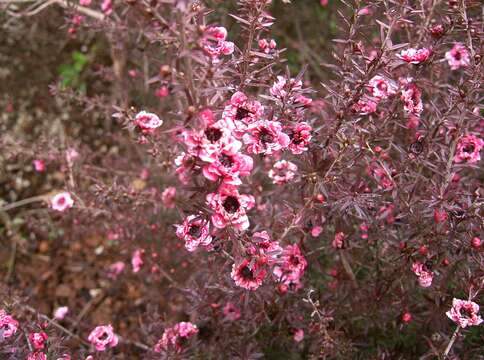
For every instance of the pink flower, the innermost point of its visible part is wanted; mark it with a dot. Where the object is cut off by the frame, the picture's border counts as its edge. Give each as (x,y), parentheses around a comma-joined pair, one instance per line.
(38,340)
(300,135)
(85,2)
(267,46)
(137,260)
(62,201)
(381,87)
(338,241)
(115,269)
(103,337)
(168,197)
(230,207)
(298,335)
(214,44)
(291,267)
(324,2)
(147,122)
(39,165)
(174,338)
(415,56)
(364,107)
(231,312)
(282,172)
(425,276)
(8,325)
(195,231)
(61,312)
(107,7)
(458,56)
(228,164)
(412,99)
(464,313)
(240,112)
(265,137)
(213,139)
(282,87)
(268,250)
(468,149)
(37,356)
(248,274)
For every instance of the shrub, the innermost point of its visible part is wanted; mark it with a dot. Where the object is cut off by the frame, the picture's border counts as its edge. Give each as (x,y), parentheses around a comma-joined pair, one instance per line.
(241,180)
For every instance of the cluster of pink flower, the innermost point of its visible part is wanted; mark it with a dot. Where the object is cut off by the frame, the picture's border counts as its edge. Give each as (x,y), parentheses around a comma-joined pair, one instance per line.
(214,44)
(287,264)
(381,88)
(216,149)
(174,337)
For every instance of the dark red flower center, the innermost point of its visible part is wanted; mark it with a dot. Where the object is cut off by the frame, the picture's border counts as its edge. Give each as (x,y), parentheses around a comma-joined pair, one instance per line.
(296,137)
(247,273)
(195,230)
(466,312)
(226,160)
(213,134)
(469,148)
(231,204)
(265,136)
(241,113)
(294,260)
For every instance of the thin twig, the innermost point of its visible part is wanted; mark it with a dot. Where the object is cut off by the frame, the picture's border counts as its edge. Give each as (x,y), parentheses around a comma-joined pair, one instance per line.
(451,342)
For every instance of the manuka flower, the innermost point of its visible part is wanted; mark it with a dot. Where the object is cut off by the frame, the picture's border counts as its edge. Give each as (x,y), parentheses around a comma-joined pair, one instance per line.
(282,172)
(412,99)
(381,88)
(415,56)
(8,325)
(458,56)
(424,275)
(464,313)
(195,231)
(228,164)
(62,201)
(230,207)
(248,274)
(103,337)
(265,137)
(240,112)
(468,149)
(214,44)
(147,122)
(300,136)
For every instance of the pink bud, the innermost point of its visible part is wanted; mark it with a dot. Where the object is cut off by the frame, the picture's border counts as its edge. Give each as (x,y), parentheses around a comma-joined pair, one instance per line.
(406,317)
(476,242)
